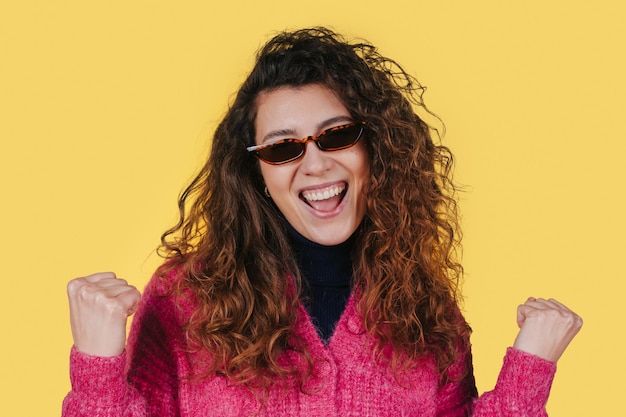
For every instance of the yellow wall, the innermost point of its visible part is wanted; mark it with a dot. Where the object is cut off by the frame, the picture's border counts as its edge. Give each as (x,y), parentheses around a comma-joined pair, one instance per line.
(105,111)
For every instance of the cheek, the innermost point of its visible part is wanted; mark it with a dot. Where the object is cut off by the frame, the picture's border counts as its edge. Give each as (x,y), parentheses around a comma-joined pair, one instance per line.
(266,174)
(362,166)
(275,177)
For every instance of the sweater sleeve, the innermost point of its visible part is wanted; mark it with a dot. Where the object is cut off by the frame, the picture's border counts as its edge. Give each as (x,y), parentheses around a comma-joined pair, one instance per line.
(99,388)
(522,389)
(142,381)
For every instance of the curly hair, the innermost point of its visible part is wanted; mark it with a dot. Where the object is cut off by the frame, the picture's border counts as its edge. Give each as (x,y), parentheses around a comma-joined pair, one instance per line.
(234,249)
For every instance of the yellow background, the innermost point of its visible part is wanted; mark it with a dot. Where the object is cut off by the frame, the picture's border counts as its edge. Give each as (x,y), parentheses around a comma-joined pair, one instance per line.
(106,109)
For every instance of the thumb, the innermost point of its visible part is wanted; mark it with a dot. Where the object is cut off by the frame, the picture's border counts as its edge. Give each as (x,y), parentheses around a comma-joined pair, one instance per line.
(522,311)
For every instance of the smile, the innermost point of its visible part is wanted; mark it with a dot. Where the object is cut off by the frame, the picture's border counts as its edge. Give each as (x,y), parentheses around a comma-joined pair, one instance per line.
(325,199)
(324,194)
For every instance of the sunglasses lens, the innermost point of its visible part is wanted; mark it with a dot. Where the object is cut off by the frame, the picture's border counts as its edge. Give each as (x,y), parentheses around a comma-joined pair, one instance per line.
(281,152)
(340,138)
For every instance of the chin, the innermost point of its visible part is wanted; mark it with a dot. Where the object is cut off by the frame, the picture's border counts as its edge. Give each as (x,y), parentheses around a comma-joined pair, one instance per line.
(330,236)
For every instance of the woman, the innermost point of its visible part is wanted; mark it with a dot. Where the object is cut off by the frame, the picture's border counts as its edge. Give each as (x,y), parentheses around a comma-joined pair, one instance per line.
(309,276)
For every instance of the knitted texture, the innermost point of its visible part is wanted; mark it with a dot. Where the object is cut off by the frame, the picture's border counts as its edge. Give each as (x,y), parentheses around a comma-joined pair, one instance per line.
(152,377)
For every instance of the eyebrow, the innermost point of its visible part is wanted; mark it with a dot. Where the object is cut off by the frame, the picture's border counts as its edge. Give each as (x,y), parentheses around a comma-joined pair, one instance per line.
(320,126)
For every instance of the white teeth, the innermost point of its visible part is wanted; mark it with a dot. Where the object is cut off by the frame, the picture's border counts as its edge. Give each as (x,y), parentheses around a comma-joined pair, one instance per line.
(323,195)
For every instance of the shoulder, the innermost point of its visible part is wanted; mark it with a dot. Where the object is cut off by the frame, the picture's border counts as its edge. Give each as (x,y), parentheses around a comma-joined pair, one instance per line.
(163,309)
(167,294)
(168,277)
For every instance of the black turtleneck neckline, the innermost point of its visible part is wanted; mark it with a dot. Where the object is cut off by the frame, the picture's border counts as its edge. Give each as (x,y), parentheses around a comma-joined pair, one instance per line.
(327,273)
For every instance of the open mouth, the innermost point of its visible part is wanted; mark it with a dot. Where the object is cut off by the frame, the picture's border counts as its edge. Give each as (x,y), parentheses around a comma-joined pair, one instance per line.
(325,199)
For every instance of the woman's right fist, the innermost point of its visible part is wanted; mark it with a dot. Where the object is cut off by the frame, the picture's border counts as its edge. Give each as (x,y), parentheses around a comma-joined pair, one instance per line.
(99,306)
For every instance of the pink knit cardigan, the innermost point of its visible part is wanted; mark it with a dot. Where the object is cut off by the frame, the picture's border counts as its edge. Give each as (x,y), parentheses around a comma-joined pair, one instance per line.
(151,378)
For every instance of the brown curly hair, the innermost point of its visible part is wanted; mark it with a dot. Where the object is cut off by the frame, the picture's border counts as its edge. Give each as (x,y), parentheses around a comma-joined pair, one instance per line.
(233,247)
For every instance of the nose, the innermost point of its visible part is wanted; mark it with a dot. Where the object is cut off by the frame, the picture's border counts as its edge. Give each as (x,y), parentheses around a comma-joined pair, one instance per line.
(315,161)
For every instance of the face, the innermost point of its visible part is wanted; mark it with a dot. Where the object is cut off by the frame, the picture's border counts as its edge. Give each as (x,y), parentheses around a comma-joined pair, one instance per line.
(321,193)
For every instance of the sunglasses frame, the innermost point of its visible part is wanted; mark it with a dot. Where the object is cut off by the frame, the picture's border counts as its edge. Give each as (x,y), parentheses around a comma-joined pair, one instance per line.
(315,138)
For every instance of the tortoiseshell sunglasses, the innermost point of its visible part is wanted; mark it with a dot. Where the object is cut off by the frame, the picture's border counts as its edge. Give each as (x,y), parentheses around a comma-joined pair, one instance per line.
(287,150)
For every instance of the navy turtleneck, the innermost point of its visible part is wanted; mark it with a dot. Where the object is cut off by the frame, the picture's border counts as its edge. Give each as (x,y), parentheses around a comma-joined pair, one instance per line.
(327,274)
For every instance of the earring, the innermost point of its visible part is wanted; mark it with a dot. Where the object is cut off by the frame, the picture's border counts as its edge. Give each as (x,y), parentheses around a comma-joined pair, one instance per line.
(267,193)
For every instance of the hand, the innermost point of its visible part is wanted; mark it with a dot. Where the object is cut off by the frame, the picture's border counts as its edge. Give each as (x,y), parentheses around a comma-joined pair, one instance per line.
(546,328)
(99,306)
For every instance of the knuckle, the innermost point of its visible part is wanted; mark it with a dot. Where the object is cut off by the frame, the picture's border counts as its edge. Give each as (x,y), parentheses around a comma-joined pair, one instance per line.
(98,296)
(74,285)
(84,293)
(557,313)
(89,292)
(551,314)
(565,314)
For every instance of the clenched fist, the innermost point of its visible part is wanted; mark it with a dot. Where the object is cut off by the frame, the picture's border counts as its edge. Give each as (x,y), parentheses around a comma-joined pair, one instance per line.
(99,306)
(546,328)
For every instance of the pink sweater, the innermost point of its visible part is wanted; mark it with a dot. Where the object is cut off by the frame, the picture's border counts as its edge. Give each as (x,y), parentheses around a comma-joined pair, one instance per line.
(150,380)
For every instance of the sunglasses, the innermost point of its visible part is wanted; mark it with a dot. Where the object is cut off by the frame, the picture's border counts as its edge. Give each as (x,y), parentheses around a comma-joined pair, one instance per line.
(287,150)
